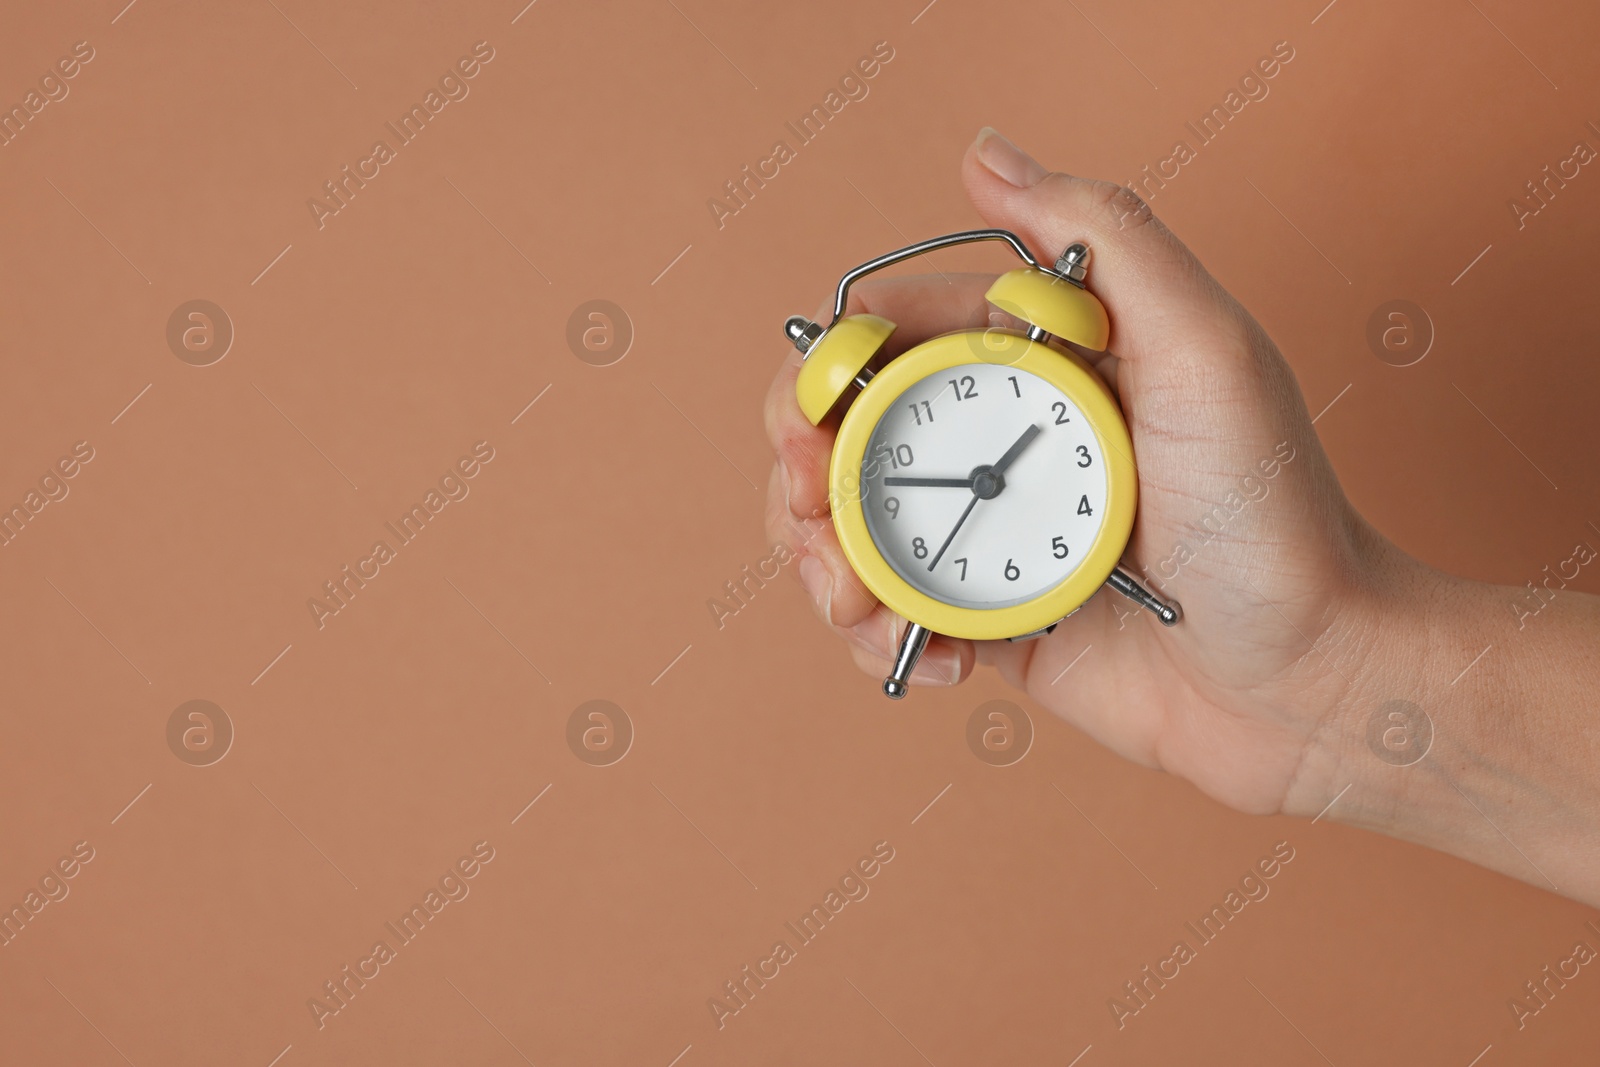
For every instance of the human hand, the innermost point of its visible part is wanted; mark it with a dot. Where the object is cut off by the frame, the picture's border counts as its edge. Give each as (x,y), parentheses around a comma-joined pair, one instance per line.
(1285,588)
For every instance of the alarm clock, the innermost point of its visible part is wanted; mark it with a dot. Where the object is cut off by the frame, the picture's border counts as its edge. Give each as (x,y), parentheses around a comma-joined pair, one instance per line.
(982,483)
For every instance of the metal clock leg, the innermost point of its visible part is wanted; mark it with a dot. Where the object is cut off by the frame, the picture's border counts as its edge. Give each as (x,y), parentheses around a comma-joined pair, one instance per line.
(912,642)
(1128,586)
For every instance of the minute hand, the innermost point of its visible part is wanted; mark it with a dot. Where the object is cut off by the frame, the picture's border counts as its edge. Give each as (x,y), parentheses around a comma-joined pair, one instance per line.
(993,472)
(931,483)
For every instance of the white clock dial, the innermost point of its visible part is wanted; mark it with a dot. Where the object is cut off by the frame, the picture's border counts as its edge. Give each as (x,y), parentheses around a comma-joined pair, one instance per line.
(941,518)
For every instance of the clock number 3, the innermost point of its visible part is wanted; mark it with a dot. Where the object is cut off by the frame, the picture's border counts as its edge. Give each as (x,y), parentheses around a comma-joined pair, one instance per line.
(1083,456)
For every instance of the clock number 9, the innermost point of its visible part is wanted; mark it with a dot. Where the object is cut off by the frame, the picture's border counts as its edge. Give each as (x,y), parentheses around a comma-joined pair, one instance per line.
(891,504)
(1083,454)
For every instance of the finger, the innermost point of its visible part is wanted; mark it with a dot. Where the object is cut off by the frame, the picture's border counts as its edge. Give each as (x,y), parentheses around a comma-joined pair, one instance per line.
(848,608)
(1194,367)
(874,642)
(1010,658)
(1158,295)
(920,306)
(837,595)
(1092,670)
(802,449)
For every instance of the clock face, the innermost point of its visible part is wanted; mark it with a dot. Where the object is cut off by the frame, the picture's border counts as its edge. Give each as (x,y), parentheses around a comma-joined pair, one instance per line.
(983,486)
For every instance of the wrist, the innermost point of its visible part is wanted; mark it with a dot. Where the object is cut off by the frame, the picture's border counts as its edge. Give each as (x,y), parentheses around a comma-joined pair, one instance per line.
(1392,624)
(1463,732)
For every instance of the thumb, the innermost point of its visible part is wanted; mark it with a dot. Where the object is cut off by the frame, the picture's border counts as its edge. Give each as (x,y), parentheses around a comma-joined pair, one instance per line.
(1160,299)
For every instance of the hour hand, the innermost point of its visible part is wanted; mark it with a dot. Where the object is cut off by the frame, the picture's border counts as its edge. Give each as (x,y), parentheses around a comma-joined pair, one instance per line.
(1015,450)
(932,483)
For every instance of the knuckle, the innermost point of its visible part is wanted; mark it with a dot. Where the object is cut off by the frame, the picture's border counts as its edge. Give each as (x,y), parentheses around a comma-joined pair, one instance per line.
(1120,207)
(1107,209)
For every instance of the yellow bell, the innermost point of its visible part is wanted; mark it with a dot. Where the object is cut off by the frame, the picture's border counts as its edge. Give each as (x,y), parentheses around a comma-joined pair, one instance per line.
(1053,304)
(836,359)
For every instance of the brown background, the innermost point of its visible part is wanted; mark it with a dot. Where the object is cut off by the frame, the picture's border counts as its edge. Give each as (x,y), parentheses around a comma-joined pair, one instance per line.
(428,713)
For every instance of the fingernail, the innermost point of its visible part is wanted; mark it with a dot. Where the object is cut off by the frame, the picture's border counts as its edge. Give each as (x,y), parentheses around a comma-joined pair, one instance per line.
(940,667)
(1010,163)
(814,576)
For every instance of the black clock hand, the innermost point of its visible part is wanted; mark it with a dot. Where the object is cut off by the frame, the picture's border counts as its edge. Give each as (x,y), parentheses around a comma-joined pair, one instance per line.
(932,483)
(987,483)
(940,554)
(1014,451)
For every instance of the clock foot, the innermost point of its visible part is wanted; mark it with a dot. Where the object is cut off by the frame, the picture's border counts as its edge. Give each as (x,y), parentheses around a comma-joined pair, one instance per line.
(912,642)
(1128,586)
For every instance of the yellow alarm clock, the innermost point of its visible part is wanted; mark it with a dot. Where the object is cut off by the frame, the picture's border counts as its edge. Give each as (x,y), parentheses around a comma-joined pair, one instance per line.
(982,482)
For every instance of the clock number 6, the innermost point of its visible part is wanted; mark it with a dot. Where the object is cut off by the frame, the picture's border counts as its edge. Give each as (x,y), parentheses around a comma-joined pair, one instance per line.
(1012,572)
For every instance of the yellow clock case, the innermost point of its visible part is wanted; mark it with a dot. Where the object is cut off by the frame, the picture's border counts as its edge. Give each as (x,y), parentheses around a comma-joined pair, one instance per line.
(1064,370)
